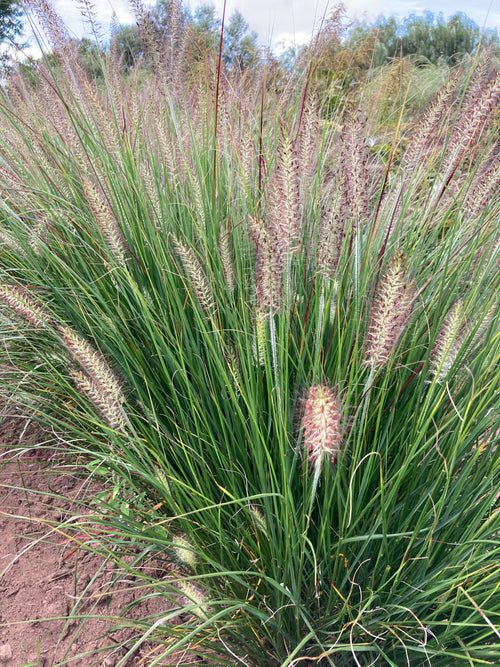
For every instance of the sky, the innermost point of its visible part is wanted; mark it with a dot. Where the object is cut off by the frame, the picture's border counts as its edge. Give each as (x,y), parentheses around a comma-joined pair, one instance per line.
(281,23)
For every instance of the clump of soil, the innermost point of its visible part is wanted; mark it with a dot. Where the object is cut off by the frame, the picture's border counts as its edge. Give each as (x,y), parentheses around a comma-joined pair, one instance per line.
(43,576)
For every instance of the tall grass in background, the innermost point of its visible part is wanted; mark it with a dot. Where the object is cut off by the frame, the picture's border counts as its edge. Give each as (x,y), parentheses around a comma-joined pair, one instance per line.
(278,348)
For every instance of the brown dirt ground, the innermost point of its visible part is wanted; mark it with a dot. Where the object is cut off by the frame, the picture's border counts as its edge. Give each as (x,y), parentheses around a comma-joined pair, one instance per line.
(42,575)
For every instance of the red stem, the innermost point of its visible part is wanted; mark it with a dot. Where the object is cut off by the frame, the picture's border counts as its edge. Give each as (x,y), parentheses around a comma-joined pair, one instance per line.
(219,67)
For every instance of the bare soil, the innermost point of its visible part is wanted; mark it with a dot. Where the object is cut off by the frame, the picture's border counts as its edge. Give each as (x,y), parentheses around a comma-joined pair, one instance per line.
(43,575)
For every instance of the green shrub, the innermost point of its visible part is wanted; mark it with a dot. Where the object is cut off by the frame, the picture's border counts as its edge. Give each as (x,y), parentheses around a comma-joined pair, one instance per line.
(281,354)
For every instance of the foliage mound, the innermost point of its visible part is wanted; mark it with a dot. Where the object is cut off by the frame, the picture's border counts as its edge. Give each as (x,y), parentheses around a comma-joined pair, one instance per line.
(278,346)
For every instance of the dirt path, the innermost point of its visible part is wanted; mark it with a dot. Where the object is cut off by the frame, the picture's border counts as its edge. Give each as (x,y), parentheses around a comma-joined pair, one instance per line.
(42,576)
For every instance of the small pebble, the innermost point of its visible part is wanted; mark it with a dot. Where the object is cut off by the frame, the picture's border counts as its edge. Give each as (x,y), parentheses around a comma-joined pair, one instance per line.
(5,653)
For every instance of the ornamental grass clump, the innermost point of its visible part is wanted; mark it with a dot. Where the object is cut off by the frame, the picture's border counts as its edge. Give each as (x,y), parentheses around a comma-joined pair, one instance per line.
(276,347)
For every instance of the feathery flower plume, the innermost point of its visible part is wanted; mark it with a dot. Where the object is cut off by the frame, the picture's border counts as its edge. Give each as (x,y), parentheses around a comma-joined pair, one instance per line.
(353,161)
(38,235)
(448,343)
(52,24)
(270,266)
(247,160)
(178,38)
(151,37)
(478,79)
(226,258)
(162,478)
(150,185)
(106,404)
(258,518)
(196,275)
(196,596)
(106,222)
(321,423)
(485,323)
(260,337)
(10,243)
(349,201)
(309,135)
(224,130)
(91,361)
(183,551)
(174,21)
(428,126)
(234,368)
(200,220)
(165,145)
(485,184)
(18,300)
(89,14)
(285,213)
(331,236)
(470,123)
(389,314)
(98,381)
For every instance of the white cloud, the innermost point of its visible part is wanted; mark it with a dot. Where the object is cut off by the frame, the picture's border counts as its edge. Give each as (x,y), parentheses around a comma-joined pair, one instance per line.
(275,20)
(284,22)
(294,20)
(70,12)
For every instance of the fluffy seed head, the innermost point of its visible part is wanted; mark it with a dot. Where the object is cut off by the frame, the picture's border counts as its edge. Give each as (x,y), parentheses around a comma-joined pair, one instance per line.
(354,163)
(390,313)
(196,275)
(10,243)
(331,234)
(419,149)
(97,381)
(18,300)
(92,363)
(269,266)
(106,404)
(227,258)
(106,221)
(474,114)
(258,518)
(284,196)
(197,597)
(484,185)
(309,136)
(321,423)
(448,343)
(162,478)
(183,550)
(52,24)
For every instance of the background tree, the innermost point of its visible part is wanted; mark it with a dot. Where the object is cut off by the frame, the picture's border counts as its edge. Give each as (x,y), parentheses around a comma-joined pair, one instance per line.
(170,16)
(429,36)
(129,46)
(11,28)
(240,44)
(205,34)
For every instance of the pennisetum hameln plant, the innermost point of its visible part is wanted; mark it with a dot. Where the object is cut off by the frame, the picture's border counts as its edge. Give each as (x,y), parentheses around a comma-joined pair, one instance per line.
(282,348)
